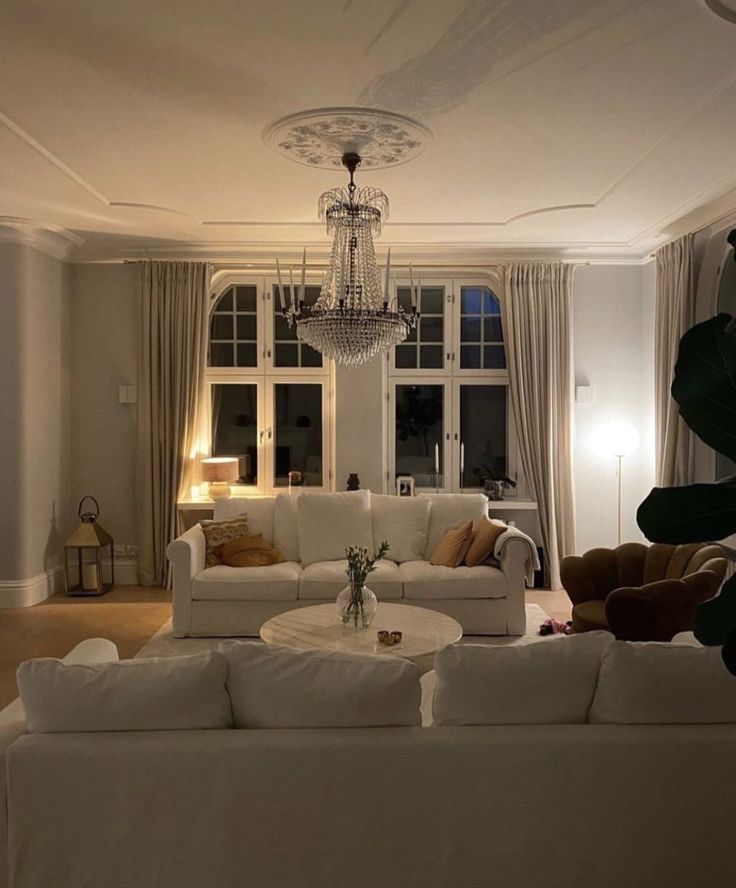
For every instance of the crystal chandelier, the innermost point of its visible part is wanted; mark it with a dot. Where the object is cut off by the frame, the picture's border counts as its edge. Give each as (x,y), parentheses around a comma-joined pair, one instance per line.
(355,318)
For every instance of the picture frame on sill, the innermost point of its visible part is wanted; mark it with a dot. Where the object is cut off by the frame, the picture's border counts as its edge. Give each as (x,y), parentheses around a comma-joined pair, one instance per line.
(405,485)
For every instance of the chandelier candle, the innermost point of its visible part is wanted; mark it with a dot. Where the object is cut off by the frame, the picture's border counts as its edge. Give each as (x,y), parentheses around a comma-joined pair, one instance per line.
(281,287)
(354,319)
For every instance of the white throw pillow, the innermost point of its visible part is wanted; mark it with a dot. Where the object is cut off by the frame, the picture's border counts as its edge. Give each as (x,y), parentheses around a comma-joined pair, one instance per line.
(657,683)
(165,694)
(259,510)
(330,522)
(448,511)
(273,686)
(404,522)
(285,534)
(549,681)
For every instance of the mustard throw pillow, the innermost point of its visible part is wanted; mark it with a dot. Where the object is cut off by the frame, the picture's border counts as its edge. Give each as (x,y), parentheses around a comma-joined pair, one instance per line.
(217,533)
(249,551)
(485,534)
(451,549)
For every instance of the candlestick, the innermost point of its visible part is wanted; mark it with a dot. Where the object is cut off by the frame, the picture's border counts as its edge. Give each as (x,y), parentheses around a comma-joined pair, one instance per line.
(462,464)
(304,275)
(388,272)
(411,286)
(281,287)
(291,286)
(436,459)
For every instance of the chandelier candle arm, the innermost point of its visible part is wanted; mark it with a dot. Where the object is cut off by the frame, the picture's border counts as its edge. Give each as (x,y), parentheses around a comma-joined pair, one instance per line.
(388,272)
(291,284)
(411,287)
(304,275)
(281,287)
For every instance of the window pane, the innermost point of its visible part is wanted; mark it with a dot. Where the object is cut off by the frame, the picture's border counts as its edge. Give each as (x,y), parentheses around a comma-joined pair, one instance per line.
(222,354)
(483,431)
(404,294)
(247,354)
(470,357)
(298,433)
(247,327)
(282,330)
(221,327)
(225,302)
(431,329)
(470,330)
(433,300)
(246,298)
(470,300)
(234,426)
(494,357)
(431,357)
(492,331)
(406,356)
(310,357)
(286,355)
(419,427)
(411,336)
(491,305)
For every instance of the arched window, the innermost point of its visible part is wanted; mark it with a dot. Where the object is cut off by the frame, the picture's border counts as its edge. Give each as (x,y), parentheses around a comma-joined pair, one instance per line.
(269,394)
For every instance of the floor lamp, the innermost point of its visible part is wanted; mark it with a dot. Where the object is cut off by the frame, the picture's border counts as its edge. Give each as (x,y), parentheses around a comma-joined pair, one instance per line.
(619,439)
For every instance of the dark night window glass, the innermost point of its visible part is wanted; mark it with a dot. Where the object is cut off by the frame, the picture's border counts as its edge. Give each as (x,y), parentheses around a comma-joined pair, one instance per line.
(424,347)
(483,431)
(234,426)
(419,427)
(298,433)
(235,319)
(298,355)
(222,354)
(480,326)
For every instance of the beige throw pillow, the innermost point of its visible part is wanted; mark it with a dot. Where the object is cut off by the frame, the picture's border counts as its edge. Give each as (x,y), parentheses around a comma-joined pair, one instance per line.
(453,546)
(217,533)
(485,534)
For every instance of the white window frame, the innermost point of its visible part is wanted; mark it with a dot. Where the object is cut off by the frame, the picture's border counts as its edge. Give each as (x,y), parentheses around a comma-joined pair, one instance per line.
(457,369)
(446,369)
(426,379)
(265,375)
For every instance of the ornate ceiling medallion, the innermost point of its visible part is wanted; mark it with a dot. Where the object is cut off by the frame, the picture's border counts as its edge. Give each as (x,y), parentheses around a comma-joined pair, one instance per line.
(321,137)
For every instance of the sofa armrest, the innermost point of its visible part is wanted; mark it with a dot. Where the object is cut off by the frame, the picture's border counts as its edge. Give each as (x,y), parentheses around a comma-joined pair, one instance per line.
(187,556)
(9,733)
(514,566)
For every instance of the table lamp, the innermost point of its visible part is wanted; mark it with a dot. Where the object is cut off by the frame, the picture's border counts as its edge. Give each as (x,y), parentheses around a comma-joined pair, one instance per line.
(219,471)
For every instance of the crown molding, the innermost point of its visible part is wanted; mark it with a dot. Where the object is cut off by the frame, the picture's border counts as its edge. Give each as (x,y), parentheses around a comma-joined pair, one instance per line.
(54,241)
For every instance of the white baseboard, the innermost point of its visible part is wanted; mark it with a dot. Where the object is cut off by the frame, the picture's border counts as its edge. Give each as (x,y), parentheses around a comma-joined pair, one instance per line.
(27,592)
(126,571)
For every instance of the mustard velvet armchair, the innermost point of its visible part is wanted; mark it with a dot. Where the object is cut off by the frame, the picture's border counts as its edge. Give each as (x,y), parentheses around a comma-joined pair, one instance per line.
(642,593)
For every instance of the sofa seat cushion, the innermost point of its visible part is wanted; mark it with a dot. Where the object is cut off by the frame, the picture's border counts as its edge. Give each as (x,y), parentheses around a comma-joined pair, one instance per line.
(589,616)
(277,582)
(423,580)
(324,579)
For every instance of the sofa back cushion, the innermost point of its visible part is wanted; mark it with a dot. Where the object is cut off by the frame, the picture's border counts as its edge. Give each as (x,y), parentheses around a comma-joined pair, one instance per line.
(259,510)
(165,694)
(448,511)
(649,683)
(273,686)
(404,522)
(285,534)
(547,681)
(330,522)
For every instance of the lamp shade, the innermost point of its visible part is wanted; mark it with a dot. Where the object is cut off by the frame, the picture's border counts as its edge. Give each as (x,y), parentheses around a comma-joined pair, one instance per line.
(616,439)
(220,468)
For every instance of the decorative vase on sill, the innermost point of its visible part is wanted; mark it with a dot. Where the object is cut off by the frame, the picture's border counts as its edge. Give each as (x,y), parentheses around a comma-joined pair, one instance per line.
(357,606)
(356,603)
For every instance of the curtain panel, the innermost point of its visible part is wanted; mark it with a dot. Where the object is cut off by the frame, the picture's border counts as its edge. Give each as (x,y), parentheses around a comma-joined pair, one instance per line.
(172,357)
(674,314)
(537,318)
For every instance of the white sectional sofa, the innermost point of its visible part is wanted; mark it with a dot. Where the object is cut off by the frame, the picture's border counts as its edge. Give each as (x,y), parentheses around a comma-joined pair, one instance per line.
(312,530)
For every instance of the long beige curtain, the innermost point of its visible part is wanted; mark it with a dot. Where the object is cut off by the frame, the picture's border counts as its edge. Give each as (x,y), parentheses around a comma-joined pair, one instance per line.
(537,318)
(674,314)
(173,349)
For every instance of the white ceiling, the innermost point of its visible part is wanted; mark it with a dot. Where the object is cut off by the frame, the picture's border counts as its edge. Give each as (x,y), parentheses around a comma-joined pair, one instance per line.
(572,126)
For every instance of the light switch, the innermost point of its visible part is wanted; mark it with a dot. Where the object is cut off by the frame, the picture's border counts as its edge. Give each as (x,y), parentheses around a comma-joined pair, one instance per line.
(127,394)
(584,394)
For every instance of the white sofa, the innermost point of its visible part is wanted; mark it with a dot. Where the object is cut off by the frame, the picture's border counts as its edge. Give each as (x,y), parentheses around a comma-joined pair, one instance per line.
(312,530)
(524,805)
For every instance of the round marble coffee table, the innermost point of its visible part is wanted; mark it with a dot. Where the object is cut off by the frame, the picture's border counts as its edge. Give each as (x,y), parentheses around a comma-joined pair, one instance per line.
(318,627)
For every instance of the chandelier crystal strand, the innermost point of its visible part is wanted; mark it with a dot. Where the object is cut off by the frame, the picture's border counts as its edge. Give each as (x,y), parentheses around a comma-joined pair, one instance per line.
(353,320)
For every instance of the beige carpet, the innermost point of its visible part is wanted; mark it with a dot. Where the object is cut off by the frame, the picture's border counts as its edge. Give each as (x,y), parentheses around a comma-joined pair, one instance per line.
(163,644)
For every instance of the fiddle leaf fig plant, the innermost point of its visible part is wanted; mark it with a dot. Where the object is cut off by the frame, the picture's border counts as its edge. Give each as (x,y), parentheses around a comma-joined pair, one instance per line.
(704,388)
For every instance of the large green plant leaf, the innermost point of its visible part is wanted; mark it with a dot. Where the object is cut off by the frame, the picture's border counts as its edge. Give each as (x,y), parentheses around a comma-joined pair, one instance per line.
(705,383)
(715,619)
(698,513)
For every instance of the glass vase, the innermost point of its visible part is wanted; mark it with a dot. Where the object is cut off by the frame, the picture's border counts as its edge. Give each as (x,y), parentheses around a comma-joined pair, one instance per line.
(357,606)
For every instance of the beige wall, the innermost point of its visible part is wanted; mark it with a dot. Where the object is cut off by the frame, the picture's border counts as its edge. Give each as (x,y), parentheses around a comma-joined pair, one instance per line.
(360,407)
(34,405)
(613,326)
(103,321)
